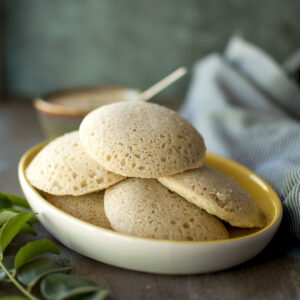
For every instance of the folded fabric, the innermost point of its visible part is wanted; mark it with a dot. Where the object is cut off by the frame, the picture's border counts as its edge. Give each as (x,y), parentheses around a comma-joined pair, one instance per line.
(248,110)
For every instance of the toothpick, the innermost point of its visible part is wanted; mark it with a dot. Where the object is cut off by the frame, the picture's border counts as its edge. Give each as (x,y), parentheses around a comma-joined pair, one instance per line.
(162,84)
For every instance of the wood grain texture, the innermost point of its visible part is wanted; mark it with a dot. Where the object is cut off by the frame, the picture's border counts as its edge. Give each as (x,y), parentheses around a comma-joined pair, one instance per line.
(273,274)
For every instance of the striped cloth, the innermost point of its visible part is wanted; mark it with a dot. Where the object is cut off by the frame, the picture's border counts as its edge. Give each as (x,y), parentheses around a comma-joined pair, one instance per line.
(248,110)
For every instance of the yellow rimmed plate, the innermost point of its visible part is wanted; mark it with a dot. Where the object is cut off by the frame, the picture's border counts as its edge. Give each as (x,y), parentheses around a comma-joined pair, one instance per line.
(162,256)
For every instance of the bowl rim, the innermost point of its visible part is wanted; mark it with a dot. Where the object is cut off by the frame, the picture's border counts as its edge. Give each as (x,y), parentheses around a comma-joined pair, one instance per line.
(46,106)
(276,202)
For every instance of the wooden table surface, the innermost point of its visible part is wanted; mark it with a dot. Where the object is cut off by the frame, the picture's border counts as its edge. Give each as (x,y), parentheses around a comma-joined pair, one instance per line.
(273,274)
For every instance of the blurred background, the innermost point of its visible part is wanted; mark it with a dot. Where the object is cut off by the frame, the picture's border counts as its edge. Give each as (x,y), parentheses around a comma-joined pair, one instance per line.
(47,45)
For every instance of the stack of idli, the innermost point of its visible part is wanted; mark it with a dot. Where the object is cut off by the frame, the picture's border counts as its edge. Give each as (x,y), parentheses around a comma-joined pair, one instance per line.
(139,168)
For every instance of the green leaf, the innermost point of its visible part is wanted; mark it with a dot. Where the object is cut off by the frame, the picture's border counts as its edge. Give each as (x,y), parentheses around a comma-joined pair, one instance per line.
(100,295)
(13,298)
(15,200)
(11,228)
(62,286)
(33,220)
(33,249)
(5,215)
(5,203)
(32,272)
(27,229)
(13,211)
(8,262)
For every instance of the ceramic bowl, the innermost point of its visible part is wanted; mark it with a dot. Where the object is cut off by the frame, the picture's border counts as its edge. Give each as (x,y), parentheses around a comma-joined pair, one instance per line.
(62,112)
(162,256)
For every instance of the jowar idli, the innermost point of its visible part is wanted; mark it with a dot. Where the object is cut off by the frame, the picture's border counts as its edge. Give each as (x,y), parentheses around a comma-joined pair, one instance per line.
(138,139)
(89,208)
(218,194)
(145,208)
(63,168)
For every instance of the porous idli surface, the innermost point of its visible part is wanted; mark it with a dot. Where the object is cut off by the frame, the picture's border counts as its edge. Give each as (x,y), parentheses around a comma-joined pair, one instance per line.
(138,139)
(145,208)
(89,208)
(218,194)
(62,167)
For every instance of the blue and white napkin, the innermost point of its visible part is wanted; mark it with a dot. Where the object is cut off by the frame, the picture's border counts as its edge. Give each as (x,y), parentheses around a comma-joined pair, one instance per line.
(247,109)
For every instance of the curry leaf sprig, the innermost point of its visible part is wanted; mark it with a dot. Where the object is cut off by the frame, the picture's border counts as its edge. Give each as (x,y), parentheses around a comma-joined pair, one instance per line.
(28,267)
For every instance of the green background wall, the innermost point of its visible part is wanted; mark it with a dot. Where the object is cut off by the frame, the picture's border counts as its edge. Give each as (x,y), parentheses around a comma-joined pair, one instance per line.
(58,44)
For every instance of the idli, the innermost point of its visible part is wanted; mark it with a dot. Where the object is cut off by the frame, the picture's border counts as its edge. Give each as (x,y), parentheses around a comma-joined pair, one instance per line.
(63,168)
(89,208)
(218,194)
(138,139)
(145,208)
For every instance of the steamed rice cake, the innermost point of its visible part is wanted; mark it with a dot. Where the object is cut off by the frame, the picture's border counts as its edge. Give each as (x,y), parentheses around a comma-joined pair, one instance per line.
(145,208)
(138,139)
(218,194)
(63,168)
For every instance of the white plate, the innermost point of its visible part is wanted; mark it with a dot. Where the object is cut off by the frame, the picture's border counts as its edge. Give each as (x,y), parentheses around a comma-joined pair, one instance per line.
(162,256)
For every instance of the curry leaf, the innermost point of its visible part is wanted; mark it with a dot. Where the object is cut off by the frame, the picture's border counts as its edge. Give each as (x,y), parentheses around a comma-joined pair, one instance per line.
(8,262)
(5,215)
(32,272)
(99,295)
(25,269)
(13,298)
(11,228)
(33,220)
(27,229)
(62,286)
(17,210)
(15,200)
(5,203)
(33,249)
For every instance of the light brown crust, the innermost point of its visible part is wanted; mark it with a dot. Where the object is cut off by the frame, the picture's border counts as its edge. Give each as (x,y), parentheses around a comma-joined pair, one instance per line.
(89,208)
(137,139)
(218,194)
(143,207)
(63,168)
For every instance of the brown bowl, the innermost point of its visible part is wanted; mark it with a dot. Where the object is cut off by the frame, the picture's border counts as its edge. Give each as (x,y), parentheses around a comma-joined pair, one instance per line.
(62,112)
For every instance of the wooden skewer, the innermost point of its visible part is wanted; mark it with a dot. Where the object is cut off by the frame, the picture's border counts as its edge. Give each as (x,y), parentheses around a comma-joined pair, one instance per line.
(162,84)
